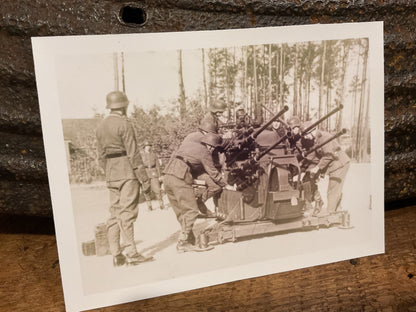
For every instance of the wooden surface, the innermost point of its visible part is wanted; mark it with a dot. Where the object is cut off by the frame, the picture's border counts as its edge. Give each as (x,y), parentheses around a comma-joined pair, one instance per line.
(30,277)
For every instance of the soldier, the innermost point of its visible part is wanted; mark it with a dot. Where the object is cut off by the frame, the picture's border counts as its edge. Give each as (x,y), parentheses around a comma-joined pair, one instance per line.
(120,158)
(293,140)
(152,166)
(334,162)
(190,160)
(312,194)
(279,128)
(215,112)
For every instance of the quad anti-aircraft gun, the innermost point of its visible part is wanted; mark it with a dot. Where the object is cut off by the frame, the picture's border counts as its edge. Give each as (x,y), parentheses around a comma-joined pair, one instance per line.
(270,195)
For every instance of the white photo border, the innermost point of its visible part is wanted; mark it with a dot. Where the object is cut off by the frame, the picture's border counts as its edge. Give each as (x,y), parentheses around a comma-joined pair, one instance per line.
(45,50)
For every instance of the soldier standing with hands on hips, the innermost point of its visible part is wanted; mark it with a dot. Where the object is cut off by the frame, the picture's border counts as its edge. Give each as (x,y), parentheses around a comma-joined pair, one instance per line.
(124,171)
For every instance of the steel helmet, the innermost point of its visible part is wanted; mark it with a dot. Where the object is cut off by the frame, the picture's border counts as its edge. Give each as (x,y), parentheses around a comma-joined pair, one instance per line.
(147,143)
(306,125)
(217,107)
(212,139)
(240,113)
(117,99)
(208,126)
(293,122)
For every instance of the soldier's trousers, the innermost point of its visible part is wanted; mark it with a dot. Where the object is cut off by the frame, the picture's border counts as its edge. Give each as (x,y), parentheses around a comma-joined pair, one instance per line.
(212,189)
(335,185)
(155,187)
(182,199)
(124,199)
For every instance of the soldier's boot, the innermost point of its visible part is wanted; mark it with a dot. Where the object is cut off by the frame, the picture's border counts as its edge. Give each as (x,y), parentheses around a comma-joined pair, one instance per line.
(203,209)
(186,243)
(319,205)
(161,203)
(136,259)
(119,260)
(320,210)
(149,205)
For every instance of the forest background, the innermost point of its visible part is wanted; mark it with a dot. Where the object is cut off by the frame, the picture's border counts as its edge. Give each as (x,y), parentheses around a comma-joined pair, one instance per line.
(312,78)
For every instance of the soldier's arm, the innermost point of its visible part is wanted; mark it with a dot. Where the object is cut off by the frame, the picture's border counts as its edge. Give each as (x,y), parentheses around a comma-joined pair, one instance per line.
(325,160)
(326,153)
(133,153)
(101,154)
(157,165)
(209,166)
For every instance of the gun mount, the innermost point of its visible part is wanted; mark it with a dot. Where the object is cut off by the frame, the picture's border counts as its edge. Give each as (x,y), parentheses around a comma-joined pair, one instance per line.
(270,196)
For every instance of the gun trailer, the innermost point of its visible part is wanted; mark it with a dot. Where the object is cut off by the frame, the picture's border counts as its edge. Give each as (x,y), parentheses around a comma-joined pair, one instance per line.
(270,196)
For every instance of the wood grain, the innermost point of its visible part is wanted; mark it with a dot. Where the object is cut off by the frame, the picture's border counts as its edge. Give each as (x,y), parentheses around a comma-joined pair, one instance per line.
(30,277)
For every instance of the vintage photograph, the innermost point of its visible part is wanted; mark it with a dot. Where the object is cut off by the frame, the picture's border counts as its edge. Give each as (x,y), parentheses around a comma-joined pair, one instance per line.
(183,160)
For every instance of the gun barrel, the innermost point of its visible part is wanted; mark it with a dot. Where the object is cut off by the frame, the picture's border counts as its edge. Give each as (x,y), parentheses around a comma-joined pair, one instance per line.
(278,119)
(305,131)
(267,124)
(338,134)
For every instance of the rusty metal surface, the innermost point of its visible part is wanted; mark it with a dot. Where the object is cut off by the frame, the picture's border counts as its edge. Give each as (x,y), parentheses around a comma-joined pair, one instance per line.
(23,178)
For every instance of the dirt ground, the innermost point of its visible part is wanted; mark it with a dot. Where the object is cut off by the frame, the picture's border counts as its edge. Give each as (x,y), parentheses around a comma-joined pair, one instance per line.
(156,234)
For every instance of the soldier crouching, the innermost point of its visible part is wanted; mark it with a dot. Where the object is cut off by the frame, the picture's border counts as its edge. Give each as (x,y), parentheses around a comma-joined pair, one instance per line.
(191,158)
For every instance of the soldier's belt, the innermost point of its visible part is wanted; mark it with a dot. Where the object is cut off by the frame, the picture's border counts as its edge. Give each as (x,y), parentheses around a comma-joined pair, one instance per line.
(115,155)
(151,167)
(183,159)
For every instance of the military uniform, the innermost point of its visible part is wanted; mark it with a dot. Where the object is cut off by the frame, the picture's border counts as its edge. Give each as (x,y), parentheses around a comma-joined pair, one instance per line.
(213,119)
(123,165)
(151,163)
(334,162)
(207,173)
(191,160)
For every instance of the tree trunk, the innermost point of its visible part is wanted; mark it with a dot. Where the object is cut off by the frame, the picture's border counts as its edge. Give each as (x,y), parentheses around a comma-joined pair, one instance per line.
(255,81)
(281,78)
(345,56)
(227,86)
(321,83)
(182,103)
(354,124)
(362,103)
(204,79)
(295,83)
(270,79)
(123,82)
(116,78)
(245,87)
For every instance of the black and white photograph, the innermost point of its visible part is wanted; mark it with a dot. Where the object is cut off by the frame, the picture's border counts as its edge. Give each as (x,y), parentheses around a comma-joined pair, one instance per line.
(184,160)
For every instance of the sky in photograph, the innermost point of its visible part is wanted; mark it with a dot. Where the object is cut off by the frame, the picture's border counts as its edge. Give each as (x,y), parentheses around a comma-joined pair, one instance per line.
(150,78)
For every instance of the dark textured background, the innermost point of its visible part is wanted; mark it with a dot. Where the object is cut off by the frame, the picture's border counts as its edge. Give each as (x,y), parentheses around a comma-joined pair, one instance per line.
(23,178)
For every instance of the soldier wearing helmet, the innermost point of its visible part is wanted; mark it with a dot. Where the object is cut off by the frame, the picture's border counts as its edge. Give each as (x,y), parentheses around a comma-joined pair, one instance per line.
(312,194)
(294,124)
(120,158)
(151,163)
(334,162)
(216,110)
(191,160)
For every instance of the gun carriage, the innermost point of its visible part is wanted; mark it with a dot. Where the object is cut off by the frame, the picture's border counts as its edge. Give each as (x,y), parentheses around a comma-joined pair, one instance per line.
(270,195)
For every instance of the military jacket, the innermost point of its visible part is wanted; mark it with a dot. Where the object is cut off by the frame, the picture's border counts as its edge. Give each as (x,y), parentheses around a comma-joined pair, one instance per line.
(198,158)
(211,118)
(115,136)
(331,156)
